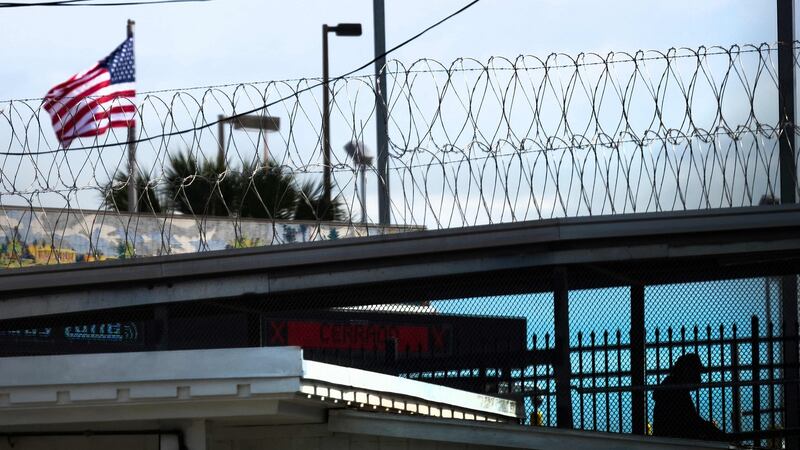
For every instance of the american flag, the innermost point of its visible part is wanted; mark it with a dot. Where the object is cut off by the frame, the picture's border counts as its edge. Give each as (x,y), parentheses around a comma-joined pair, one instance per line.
(92,101)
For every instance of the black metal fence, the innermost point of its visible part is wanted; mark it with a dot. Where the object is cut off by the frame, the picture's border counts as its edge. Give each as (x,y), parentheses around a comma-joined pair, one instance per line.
(741,389)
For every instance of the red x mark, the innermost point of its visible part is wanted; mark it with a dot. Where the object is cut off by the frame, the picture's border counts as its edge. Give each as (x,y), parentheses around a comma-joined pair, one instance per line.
(278,329)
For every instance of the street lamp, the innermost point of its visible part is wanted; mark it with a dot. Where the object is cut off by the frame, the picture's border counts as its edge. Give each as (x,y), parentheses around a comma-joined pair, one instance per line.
(357,151)
(342,29)
(248,122)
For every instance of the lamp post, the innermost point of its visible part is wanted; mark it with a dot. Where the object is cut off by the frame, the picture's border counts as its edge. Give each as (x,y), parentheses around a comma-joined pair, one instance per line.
(264,124)
(357,151)
(342,29)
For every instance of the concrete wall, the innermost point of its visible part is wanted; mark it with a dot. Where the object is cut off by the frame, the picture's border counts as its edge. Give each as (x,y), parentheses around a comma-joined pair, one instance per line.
(38,236)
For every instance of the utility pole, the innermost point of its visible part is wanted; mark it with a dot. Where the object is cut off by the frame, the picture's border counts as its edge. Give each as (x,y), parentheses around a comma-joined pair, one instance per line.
(786,99)
(384,202)
(133,172)
(326,127)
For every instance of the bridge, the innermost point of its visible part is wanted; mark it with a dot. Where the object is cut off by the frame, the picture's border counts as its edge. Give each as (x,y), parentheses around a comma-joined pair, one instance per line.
(558,257)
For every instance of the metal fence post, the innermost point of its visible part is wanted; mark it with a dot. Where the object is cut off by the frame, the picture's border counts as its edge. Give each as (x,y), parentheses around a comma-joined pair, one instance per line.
(755,362)
(736,395)
(786,105)
(637,360)
(561,363)
(791,371)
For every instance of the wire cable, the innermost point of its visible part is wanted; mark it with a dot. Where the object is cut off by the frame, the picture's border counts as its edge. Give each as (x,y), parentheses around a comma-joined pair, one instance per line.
(83,3)
(53,3)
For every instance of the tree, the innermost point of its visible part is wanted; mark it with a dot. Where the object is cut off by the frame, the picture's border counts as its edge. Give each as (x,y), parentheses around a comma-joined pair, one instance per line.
(266,192)
(117,199)
(311,205)
(211,188)
(200,188)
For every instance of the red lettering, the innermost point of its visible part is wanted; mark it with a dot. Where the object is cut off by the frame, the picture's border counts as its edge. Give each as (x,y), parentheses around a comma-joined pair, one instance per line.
(412,339)
(357,336)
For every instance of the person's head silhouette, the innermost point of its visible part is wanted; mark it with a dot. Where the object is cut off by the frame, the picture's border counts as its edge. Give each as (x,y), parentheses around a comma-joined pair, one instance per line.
(675,413)
(686,369)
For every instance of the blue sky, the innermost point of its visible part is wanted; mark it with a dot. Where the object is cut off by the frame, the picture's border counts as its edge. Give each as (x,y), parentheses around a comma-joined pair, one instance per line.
(225,41)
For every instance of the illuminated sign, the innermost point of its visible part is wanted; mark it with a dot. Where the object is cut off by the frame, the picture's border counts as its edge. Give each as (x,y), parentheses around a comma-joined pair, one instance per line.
(368,336)
(29,333)
(103,332)
(81,334)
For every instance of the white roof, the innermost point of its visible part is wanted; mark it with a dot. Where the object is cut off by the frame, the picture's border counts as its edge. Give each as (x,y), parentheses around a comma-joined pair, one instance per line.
(262,387)
(119,382)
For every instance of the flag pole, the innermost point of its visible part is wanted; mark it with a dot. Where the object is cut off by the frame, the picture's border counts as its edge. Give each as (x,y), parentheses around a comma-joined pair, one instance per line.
(133,172)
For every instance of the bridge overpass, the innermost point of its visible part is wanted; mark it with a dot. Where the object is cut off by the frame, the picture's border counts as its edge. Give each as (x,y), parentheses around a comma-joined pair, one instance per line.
(598,251)
(555,256)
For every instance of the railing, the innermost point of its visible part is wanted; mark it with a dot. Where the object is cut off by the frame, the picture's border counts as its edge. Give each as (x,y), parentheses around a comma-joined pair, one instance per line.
(471,142)
(741,388)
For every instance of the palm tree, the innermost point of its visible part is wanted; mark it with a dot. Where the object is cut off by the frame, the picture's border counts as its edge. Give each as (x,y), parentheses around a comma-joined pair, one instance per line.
(117,199)
(266,192)
(210,188)
(311,205)
(201,188)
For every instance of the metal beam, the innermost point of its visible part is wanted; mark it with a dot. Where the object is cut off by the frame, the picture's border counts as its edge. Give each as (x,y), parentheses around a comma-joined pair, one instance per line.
(637,359)
(791,391)
(562,366)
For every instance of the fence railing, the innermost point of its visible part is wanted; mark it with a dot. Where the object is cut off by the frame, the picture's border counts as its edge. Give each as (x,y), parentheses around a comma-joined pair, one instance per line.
(740,391)
(471,142)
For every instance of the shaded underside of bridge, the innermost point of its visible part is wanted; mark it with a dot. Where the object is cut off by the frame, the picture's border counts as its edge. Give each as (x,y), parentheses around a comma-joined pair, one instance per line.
(588,252)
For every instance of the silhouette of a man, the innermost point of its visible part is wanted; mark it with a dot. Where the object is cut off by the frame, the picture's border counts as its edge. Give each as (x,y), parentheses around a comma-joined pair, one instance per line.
(674,414)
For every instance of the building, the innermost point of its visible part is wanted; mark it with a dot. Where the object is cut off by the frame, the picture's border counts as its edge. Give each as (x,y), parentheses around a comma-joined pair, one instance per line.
(257,398)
